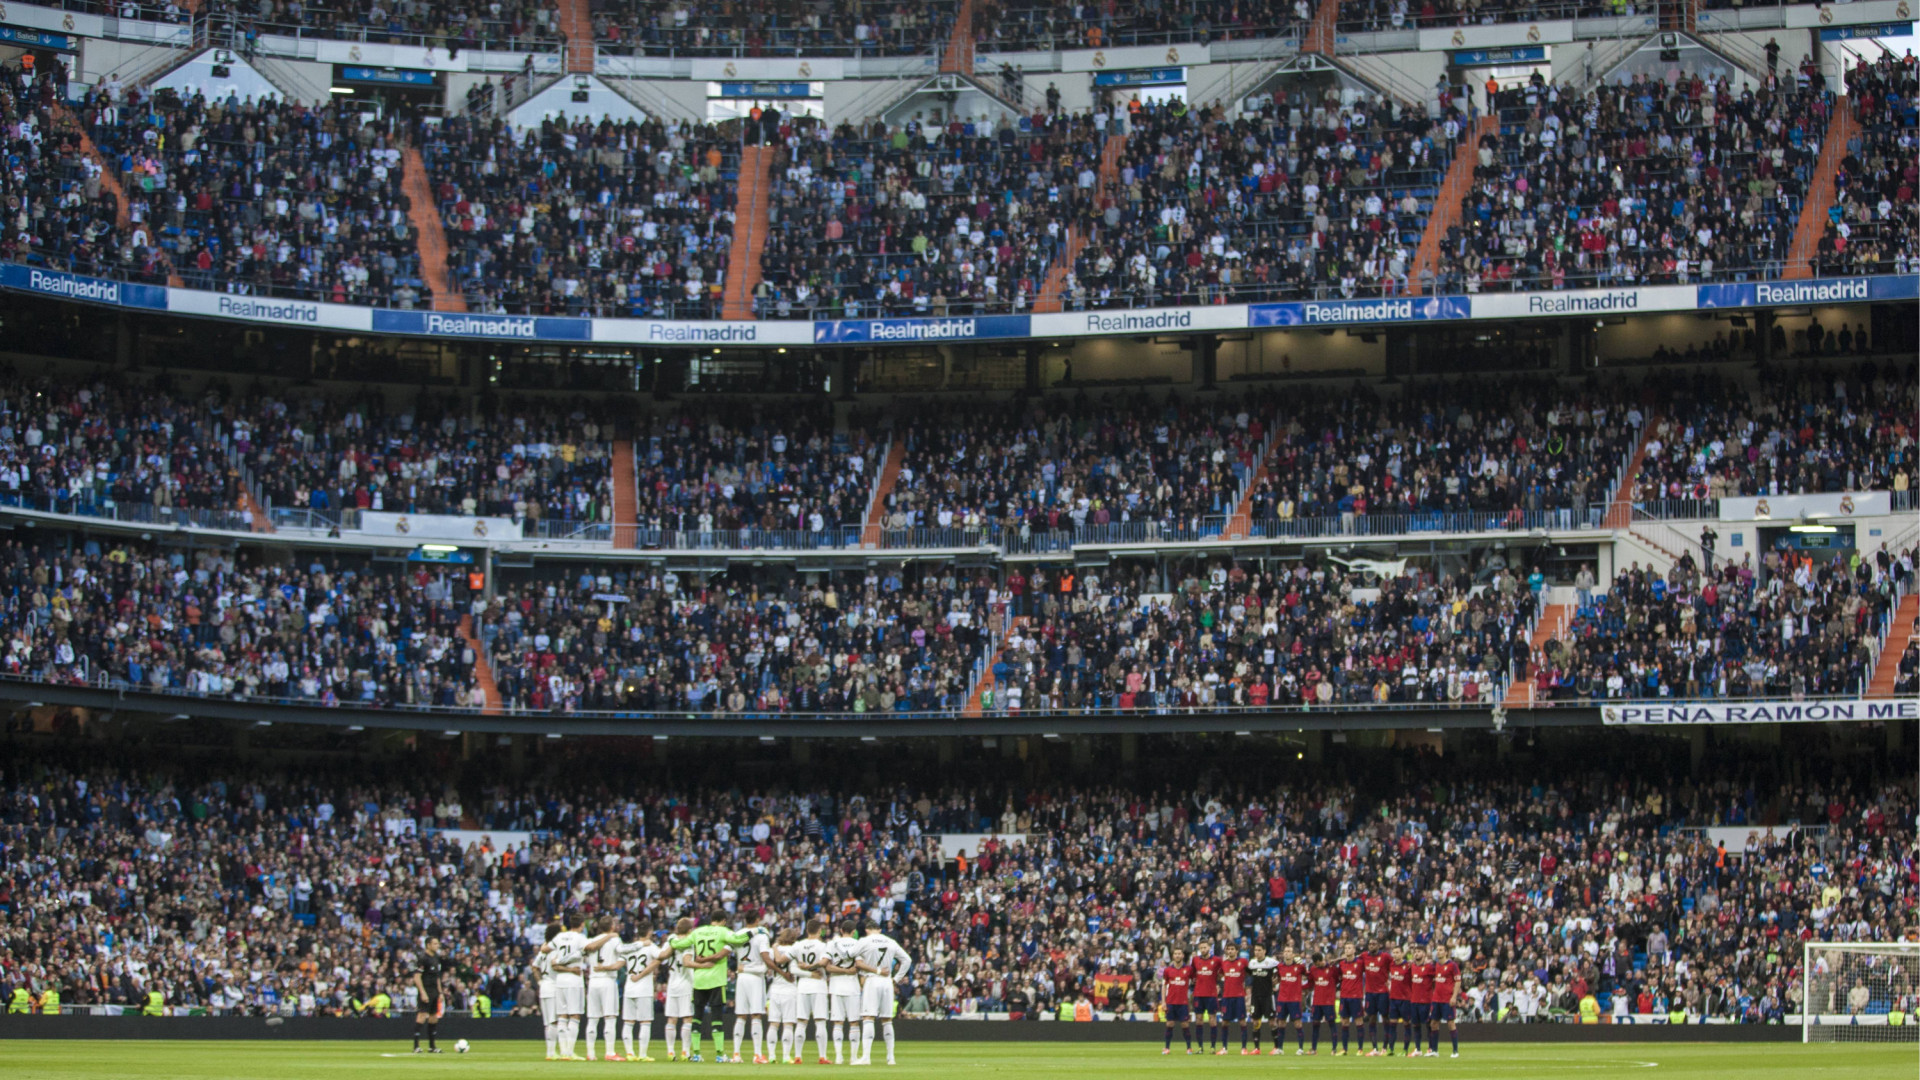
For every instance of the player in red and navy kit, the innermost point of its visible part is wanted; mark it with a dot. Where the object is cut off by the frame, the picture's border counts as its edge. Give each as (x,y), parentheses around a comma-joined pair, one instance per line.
(1233,996)
(1352,980)
(1325,980)
(1399,1010)
(1290,984)
(1206,991)
(1378,963)
(1446,990)
(1176,984)
(1420,996)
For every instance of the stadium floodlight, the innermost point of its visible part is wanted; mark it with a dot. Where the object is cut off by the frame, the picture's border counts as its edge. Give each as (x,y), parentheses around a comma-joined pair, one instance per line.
(1861,991)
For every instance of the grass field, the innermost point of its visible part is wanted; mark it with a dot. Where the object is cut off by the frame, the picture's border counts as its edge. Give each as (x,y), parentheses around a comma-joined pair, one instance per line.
(113,1060)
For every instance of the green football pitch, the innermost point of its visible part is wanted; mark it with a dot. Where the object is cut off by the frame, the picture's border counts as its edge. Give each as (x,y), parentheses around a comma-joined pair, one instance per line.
(272,1060)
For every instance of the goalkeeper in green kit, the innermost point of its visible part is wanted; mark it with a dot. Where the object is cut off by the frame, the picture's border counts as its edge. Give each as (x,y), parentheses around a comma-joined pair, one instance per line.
(710,945)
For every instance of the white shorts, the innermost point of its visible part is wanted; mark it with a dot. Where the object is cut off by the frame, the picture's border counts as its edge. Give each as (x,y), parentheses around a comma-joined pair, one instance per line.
(750,995)
(679,1002)
(603,998)
(782,1005)
(547,1003)
(570,1000)
(811,1005)
(876,998)
(845,1007)
(637,1008)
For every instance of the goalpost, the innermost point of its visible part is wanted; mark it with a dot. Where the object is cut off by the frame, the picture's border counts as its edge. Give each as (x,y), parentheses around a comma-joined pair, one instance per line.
(1860,992)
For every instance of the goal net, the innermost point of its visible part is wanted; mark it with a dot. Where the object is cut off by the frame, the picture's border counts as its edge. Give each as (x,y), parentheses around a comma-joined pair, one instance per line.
(1860,992)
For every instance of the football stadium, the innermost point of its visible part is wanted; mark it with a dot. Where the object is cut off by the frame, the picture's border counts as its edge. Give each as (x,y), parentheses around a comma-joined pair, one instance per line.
(1002,537)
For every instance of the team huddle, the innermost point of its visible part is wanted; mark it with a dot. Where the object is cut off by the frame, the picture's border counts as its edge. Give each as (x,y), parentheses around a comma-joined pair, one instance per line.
(781,981)
(1384,993)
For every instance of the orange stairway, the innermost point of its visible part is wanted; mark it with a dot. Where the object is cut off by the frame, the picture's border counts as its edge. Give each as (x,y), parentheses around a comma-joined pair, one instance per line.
(1813,221)
(1553,623)
(749,232)
(248,503)
(482,671)
(1620,509)
(1887,671)
(1449,203)
(423,212)
(871,533)
(957,58)
(626,496)
(109,178)
(1321,33)
(576,28)
(974,706)
(1053,291)
(1241,523)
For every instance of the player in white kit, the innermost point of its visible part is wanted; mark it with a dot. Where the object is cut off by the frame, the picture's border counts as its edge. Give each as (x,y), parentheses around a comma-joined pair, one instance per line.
(569,954)
(750,992)
(843,986)
(810,957)
(680,994)
(603,986)
(543,971)
(881,960)
(782,999)
(643,959)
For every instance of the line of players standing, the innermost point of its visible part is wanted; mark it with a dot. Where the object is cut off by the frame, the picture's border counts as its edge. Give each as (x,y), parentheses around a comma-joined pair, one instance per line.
(1386,993)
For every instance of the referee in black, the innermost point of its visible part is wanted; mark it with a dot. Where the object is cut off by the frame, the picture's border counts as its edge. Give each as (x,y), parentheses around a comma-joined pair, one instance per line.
(426,985)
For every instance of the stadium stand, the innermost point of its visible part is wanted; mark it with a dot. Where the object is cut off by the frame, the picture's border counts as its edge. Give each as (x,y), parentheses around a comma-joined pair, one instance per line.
(835,28)
(1587,870)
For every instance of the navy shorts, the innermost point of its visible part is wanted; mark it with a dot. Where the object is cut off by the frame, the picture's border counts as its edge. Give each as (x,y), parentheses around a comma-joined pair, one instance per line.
(1204,1006)
(1443,1013)
(1233,1009)
(1421,1012)
(1323,1012)
(1399,1010)
(1349,1009)
(1289,1010)
(1176,1014)
(1377,1006)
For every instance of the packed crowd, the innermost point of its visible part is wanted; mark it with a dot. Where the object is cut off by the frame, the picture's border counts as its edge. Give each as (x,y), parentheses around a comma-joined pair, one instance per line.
(79,444)
(906,640)
(308,892)
(1048,25)
(923,218)
(1786,629)
(1497,450)
(232,625)
(452,25)
(1176,467)
(262,198)
(583,218)
(704,472)
(815,28)
(1808,428)
(1377,15)
(1231,639)
(1635,183)
(1322,199)
(1873,214)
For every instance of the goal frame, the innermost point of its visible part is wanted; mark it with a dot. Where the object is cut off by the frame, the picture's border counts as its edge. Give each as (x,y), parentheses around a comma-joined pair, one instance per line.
(1908,950)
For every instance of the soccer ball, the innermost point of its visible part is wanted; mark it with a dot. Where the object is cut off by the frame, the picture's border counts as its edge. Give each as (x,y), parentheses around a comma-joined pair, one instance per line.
(461,1047)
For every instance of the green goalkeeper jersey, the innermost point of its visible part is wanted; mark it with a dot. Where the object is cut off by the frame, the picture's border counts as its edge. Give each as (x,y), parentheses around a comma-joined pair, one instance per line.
(710,942)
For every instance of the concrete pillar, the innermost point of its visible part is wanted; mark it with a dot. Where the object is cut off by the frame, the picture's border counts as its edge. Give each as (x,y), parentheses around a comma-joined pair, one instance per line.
(1033,367)
(802,751)
(948,748)
(1316,748)
(1130,747)
(1697,744)
(1206,362)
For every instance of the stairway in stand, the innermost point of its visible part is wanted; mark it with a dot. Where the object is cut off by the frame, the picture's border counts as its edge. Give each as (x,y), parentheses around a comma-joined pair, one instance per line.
(626,496)
(576,26)
(482,671)
(1053,292)
(751,196)
(957,57)
(1620,509)
(871,532)
(1553,623)
(429,236)
(1449,203)
(1322,34)
(1813,223)
(109,176)
(974,704)
(1241,523)
(1899,633)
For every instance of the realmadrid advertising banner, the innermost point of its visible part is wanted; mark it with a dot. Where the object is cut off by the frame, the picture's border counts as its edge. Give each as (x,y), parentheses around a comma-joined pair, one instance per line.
(908,331)
(1343,312)
(1761,712)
